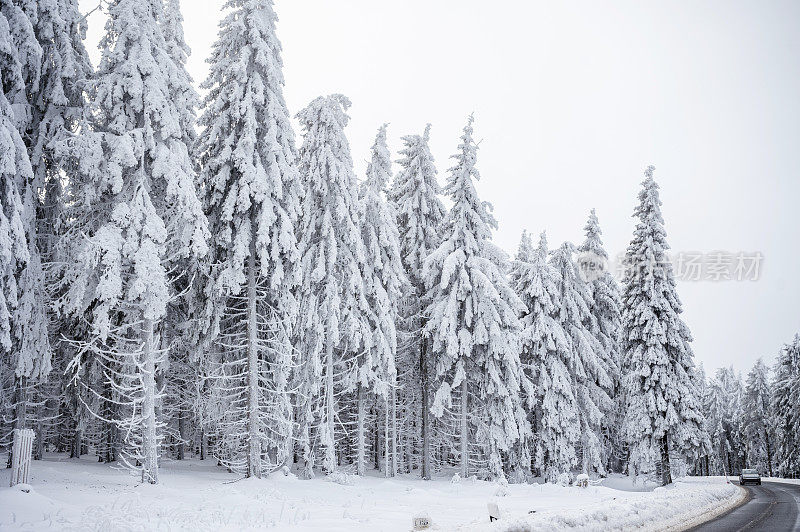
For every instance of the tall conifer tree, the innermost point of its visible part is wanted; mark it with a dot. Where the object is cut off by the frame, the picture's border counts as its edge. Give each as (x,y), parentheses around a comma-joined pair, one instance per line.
(334,296)
(474,321)
(664,413)
(134,213)
(384,281)
(605,309)
(252,193)
(414,196)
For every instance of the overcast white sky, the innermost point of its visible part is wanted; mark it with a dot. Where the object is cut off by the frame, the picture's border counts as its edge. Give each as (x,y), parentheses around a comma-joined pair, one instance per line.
(572,101)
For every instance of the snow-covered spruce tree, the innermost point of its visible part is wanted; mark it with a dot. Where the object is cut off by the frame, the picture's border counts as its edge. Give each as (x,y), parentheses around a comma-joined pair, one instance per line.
(134,215)
(473,320)
(588,369)
(520,459)
(785,401)
(714,411)
(663,413)
(252,198)
(384,280)
(23,319)
(414,195)
(703,452)
(181,325)
(727,439)
(732,390)
(14,253)
(57,106)
(605,308)
(757,418)
(184,96)
(547,358)
(334,303)
(558,427)
(523,258)
(703,464)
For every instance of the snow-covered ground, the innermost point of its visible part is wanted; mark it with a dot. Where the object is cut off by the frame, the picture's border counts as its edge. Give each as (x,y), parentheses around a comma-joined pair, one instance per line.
(83,495)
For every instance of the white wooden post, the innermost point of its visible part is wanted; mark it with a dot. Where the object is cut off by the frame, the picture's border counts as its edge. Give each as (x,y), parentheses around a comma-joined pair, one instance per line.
(494,511)
(21,455)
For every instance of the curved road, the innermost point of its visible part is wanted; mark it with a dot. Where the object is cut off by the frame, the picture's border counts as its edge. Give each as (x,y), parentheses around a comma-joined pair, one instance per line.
(773,506)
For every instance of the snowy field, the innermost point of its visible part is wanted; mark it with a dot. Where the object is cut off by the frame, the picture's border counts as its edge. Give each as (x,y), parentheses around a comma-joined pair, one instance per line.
(83,495)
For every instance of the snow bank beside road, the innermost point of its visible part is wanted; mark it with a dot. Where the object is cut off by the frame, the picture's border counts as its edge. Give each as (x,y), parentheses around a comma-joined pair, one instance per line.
(198,496)
(686,503)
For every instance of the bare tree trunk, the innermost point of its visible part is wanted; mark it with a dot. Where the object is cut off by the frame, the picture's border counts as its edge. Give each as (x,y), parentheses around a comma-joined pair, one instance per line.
(393,398)
(77,436)
(330,444)
(75,446)
(410,448)
(730,462)
(149,439)
(666,474)
(360,452)
(386,460)
(769,451)
(464,429)
(38,450)
(377,444)
(181,433)
(254,451)
(426,421)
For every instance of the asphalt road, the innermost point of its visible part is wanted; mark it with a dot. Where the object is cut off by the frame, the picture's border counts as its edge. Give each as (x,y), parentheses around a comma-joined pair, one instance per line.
(773,506)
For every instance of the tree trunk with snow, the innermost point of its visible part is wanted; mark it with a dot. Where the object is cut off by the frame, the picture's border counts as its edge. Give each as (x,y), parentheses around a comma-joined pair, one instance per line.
(149,438)
(768,447)
(393,399)
(361,459)
(330,441)
(464,429)
(387,461)
(666,473)
(181,434)
(38,450)
(77,439)
(254,447)
(426,409)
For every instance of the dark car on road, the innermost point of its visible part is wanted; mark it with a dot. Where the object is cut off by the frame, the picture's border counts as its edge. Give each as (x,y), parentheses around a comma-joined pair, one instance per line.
(749,476)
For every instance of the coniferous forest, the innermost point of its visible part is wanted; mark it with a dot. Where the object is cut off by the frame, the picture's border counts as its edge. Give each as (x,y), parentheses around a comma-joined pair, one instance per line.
(194,278)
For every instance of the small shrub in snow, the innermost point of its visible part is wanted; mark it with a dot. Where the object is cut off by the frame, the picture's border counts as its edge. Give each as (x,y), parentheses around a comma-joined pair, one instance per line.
(456,479)
(564,479)
(340,477)
(502,488)
(517,476)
